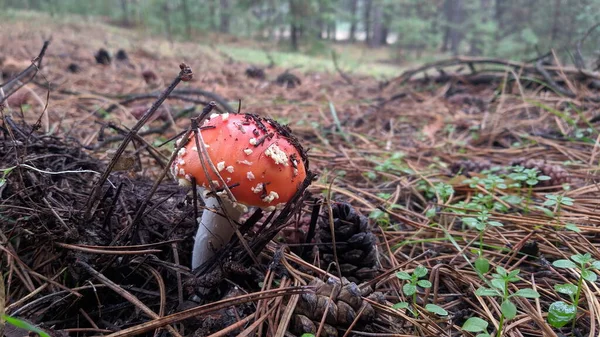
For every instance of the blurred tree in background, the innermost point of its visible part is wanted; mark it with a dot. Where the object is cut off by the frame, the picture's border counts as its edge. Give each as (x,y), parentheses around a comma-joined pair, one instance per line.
(517,29)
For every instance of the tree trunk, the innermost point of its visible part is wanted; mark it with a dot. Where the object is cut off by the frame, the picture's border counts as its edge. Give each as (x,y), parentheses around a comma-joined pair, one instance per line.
(167,16)
(294,36)
(367,20)
(353,9)
(212,14)
(556,22)
(377,26)
(333,30)
(224,21)
(498,15)
(477,41)
(186,17)
(125,12)
(455,34)
(448,15)
(271,26)
(385,28)
(295,25)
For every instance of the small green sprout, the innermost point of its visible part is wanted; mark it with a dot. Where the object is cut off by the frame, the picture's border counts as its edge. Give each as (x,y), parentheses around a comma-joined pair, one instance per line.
(500,284)
(554,205)
(481,222)
(395,163)
(529,177)
(561,313)
(553,200)
(382,219)
(443,190)
(410,289)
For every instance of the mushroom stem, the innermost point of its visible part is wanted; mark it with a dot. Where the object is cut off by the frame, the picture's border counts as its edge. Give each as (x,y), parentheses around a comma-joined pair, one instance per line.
(214,230)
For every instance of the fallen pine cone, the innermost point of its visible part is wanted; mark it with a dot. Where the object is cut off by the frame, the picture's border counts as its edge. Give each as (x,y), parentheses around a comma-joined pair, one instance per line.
(102,57)
(340,312)
(255,72)
(355,243)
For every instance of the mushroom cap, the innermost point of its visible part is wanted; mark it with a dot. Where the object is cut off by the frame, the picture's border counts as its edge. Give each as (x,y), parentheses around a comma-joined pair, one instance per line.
(260,160)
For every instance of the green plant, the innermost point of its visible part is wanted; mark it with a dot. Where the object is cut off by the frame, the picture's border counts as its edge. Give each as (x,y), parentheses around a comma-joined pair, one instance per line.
(561,313)
(395,163)
(25,325)
(554,205)
(556,201)
(410,289)
(441,189)
(382,219)
(5,173)
(499,288)
(492,182)
(529,177)
(476,324)
(481,222)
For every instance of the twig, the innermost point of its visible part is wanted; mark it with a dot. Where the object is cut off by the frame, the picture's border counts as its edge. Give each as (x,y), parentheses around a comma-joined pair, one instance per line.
(13,85)
(204,309)
(551,82)
(578,59)
(337,68)
(184,75)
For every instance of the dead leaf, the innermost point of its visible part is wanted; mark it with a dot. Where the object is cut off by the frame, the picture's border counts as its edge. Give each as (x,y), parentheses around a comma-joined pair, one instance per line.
(431,129)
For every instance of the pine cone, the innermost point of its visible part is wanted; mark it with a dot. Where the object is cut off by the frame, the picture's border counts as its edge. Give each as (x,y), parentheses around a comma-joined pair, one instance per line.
(466,166)
(255,72)
(355,243)
(339,313)
(558,175)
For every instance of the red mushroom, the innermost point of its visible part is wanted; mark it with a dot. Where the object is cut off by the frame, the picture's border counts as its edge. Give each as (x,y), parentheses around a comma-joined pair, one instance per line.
(259,160)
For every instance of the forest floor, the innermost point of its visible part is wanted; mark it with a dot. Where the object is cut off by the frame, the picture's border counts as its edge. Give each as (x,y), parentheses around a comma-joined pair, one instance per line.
(479,187)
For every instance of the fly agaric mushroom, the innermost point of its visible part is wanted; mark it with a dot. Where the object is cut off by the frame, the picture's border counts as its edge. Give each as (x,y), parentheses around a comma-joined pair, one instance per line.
(258,159)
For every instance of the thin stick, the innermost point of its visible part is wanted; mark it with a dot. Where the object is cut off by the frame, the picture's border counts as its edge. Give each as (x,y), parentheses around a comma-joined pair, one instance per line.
(184,75)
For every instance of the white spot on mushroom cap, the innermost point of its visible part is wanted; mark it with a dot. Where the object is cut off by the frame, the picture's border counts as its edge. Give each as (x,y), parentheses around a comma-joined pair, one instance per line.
(250,175)
(229,169)
(195,149)
(272,196)
(181,172)
(181,152)
(181,162)
(225,116)
(220,166)
(277,154)
(253,141)
(245,162)
(213,115)
(248,151)
(257,189)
